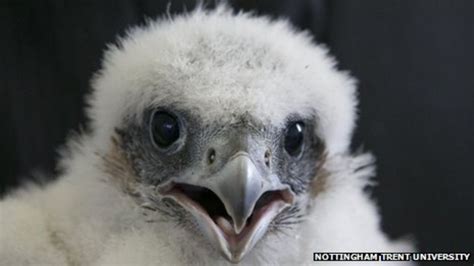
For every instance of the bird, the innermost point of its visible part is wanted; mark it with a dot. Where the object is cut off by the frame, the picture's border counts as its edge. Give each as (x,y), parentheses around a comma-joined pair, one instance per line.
(215,137)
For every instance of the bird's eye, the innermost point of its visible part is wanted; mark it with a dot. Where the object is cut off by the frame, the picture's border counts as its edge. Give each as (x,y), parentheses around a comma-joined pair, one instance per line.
(294,138)
(164,129)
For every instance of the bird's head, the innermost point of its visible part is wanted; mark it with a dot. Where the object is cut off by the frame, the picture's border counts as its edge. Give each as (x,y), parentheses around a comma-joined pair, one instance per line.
(220,123)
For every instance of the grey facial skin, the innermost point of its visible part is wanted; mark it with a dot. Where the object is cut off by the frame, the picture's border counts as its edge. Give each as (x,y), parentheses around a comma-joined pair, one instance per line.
(203,151)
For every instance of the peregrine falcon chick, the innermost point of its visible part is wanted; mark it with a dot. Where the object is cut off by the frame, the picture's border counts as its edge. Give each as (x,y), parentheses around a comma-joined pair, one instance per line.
(214,138)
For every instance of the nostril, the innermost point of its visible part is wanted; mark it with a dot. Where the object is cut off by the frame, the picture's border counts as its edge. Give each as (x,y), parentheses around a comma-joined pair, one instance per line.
(268,156)
(211,156)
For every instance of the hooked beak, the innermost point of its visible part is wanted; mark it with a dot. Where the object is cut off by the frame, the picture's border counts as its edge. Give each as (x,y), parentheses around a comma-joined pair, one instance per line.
(235,206)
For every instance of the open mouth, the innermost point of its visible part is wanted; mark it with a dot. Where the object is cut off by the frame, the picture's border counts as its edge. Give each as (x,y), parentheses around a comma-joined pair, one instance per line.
(216,222)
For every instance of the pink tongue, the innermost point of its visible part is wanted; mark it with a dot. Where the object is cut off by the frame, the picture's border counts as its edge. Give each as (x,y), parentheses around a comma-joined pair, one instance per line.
(224,225)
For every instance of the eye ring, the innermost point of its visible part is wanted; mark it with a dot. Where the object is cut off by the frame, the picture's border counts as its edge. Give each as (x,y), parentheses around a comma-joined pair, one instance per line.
(294,138)
(165,129)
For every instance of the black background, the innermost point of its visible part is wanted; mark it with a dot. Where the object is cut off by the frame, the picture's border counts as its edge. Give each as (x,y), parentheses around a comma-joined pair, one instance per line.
(414,61)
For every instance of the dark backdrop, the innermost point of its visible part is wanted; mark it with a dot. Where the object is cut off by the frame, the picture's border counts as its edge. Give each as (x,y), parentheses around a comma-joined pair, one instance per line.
(414,61)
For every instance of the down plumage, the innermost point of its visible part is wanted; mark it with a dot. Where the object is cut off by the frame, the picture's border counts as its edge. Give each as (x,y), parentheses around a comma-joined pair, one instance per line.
(215,138)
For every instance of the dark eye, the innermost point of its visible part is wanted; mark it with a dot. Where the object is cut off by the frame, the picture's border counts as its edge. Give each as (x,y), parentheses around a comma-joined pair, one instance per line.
(294,138)
(164,129)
